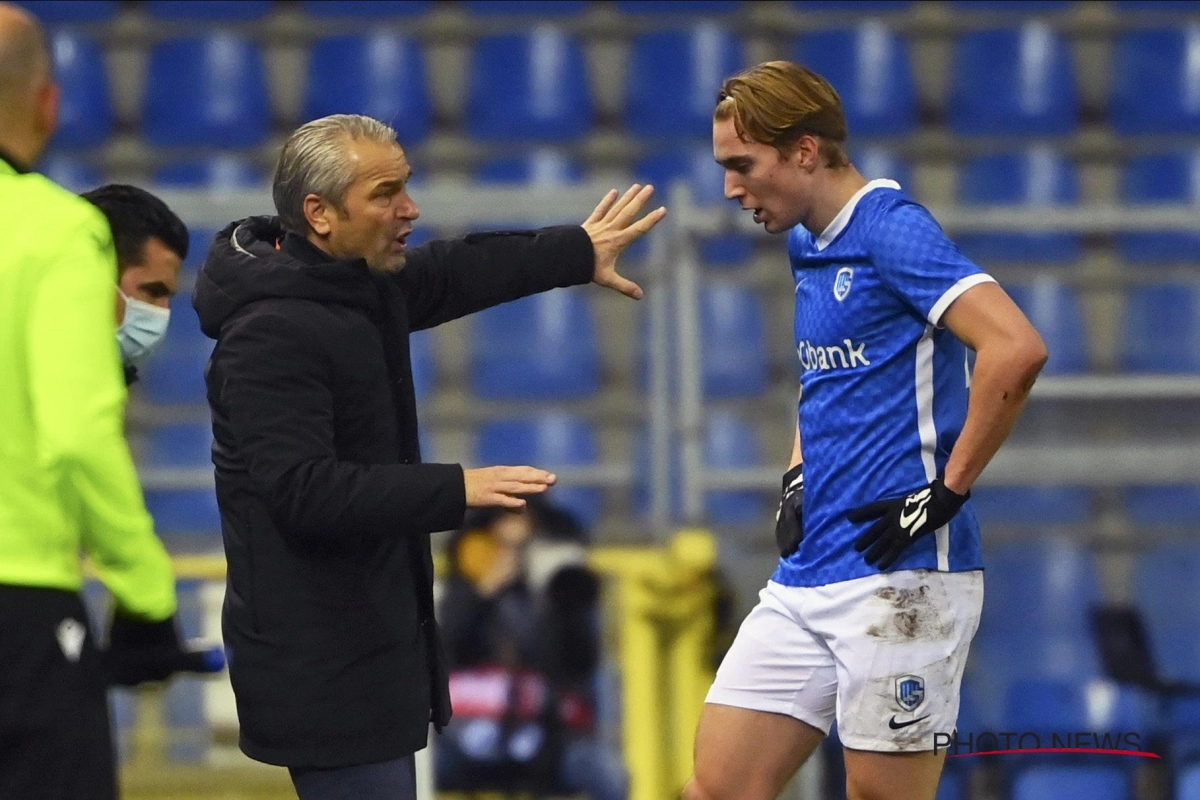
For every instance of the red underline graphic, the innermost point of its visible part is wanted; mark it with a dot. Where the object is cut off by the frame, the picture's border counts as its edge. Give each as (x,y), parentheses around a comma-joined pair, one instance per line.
(1088,750)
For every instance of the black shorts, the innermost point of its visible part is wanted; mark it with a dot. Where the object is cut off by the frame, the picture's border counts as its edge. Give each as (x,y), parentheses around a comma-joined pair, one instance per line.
(54,730)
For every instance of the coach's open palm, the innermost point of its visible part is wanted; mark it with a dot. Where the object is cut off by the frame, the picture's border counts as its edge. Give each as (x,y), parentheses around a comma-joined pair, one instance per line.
(614,226)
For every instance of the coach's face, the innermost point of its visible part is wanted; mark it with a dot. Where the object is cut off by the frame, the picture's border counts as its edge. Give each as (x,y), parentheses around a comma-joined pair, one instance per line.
(759,178)
(377,214)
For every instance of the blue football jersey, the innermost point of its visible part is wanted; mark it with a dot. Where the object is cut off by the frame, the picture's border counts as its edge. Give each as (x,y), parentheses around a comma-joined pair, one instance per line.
(884,386)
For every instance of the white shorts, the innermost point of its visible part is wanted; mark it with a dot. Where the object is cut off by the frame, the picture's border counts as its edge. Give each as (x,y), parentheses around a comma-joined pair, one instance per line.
(884,654)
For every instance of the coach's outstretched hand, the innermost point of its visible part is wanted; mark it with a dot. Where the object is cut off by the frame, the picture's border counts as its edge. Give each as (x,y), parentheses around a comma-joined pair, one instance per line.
(613,226)
(901,521)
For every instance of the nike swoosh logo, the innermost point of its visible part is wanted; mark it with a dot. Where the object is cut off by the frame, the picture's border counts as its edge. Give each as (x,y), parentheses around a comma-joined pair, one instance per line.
(898,725)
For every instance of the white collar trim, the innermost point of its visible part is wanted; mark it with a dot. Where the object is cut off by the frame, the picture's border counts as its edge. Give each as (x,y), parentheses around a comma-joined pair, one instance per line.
(843,217)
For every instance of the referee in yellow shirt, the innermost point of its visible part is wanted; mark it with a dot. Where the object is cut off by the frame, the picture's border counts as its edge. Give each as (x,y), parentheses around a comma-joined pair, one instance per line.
(67,482)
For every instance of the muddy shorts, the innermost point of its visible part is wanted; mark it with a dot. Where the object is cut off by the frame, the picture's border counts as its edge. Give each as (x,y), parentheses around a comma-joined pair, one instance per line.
(883,654)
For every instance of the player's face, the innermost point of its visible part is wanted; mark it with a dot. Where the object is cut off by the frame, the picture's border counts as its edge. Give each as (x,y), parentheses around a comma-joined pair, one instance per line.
(155,280)
(378,213)
(760,179)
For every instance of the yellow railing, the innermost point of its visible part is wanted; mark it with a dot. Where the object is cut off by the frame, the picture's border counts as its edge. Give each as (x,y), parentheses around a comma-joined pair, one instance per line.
(660,606)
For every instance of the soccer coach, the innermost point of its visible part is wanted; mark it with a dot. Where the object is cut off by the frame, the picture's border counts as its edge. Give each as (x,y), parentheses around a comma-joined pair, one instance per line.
(326,507)
(67,482)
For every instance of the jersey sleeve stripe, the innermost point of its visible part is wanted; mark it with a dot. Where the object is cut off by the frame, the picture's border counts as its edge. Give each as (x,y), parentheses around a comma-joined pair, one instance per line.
(953,293)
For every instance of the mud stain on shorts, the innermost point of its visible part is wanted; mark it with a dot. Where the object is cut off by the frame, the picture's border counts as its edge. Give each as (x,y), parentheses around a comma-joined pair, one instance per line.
(911,615)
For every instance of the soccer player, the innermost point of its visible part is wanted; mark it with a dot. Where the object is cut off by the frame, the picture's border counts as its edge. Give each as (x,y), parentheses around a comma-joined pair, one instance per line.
(878,591)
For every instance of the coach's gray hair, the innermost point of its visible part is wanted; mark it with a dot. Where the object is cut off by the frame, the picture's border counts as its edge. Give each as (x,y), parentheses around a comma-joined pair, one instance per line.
(313,161)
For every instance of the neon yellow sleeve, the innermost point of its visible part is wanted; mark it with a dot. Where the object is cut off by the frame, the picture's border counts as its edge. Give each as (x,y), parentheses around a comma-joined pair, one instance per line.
(78,403)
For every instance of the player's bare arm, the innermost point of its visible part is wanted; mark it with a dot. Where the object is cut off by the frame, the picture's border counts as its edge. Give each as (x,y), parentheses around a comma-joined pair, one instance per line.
(1010,354)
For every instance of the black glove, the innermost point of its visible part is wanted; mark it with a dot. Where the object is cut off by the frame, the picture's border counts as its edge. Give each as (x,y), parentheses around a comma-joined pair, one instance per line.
(901,521)
(140,651)
(789,519)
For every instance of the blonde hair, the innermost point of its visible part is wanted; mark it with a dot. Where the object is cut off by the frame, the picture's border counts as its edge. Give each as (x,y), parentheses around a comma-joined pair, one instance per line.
(777,102)
(314,161)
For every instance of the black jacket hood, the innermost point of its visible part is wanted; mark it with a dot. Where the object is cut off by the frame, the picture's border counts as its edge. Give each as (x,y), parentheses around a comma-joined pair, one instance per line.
(246,264)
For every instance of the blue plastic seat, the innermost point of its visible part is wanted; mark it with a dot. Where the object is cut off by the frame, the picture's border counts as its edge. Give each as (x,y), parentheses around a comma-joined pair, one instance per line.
(1032,507)
(174,374)
(1044,583)
(424,362)
(537,348)
(76,175)
(207,91)
(1072,783)
(85,117)
(1158,5)
(220,172)
(209,10)
(542,8)
(733,331)
(674,78)
(731,442)
(539,167)
(1055,310)
(1187,784)
(1161,179)
(1155,88)
(56,12)
(1034,178)
(180,444)
(367,8)
(1002,656)
(184,511)
(549,441)
(1014,81)
(1024,6)
(878,162)
(689,7)
(706,179)
(1164,505)
(871,69)
(381,75)
(199,242)
(1164,581)
(1162,329)
(530,86)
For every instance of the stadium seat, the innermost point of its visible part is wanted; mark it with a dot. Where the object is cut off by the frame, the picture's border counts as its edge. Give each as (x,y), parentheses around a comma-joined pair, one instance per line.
(549,441)
(221,172)
(1164,581)
(1013,81)
(733,333)
(1035,178)
(1054,309)
(179,512)
(871,69)
(1187,784)
(530,86)
(1162,329)
(1158,5)
(206,91)
(1164,505)
(541,347)
(543,8)
(57,12)
(209,10)
(199,241)
(1156,89)
(1032,507)
(1072,783)
(1044,583)
(76,175)
(540,167)
(179,444)
(870,6)
(367,8)
(674,77)
(174,374)
(1161,179)
(877,162)
(381,74)
(85,117)
(1023,6)
(731,442)
(705,178)
(1044,706)
(424,362)
(689,7)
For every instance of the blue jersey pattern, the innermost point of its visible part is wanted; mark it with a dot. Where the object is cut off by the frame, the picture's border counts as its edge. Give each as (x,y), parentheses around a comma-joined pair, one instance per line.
(884,387)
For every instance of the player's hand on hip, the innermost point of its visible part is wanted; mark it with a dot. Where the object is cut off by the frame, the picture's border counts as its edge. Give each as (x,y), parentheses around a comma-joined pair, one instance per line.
(789,519)
(504,486)
(901,521)
(613,226)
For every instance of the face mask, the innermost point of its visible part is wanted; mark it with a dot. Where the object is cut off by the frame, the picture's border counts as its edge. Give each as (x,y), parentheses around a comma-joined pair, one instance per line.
(142,330)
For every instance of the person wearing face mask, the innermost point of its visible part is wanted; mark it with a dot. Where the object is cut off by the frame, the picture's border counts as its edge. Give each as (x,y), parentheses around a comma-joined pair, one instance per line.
(151,244)
(67,481)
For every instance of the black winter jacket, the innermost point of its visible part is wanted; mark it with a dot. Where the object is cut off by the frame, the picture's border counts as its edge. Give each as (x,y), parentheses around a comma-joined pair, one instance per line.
(326,508)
